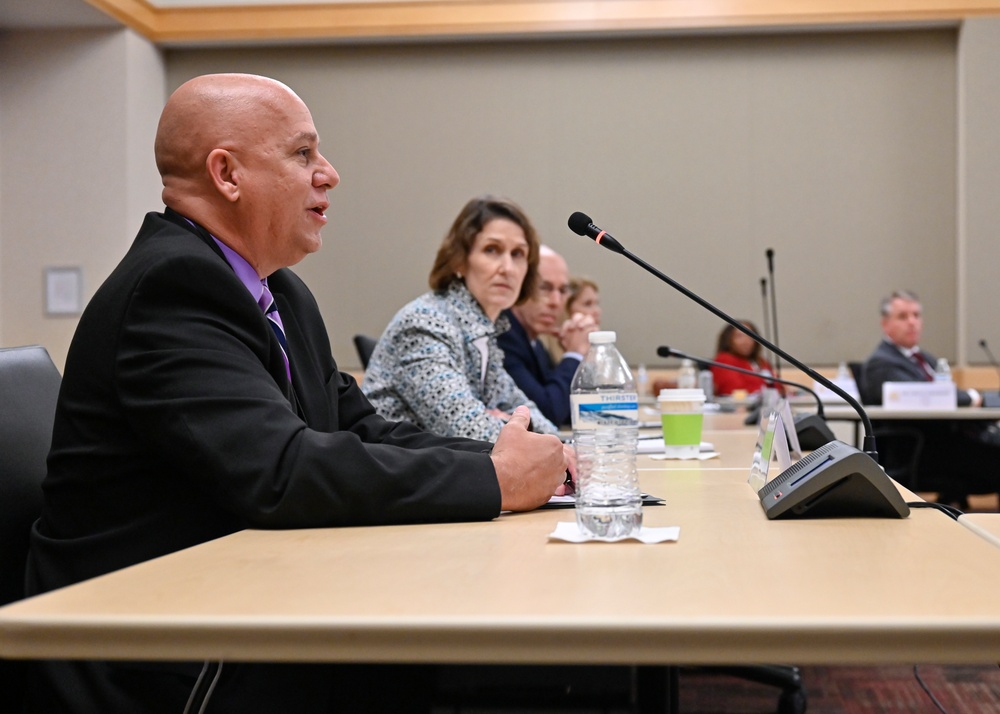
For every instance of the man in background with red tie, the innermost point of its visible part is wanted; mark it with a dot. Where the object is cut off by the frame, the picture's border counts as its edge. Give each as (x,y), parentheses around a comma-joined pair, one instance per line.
(898,358)
(954,457)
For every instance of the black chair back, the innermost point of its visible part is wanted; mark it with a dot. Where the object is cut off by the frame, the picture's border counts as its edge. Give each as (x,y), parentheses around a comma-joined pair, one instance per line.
(29,385)
(365,345)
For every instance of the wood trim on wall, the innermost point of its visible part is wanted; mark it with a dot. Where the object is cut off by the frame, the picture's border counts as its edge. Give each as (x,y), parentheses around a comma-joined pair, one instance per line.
(401,19)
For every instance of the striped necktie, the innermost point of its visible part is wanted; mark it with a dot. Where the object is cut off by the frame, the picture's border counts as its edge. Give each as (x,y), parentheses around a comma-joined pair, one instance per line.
(270,309)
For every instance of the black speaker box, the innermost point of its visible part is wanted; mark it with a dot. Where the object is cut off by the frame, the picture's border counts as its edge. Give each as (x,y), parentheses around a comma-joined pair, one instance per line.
(834,481)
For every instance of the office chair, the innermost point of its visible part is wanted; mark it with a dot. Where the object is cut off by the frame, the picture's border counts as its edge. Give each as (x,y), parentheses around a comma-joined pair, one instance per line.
(792,698)
(29,385)
(365,345)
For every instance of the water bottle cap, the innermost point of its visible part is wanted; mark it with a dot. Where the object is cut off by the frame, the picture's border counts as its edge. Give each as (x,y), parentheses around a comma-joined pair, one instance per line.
(602,337)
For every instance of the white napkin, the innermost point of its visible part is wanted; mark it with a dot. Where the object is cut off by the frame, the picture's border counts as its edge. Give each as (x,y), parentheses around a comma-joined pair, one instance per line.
(654,445)
(702,456)
(570,532)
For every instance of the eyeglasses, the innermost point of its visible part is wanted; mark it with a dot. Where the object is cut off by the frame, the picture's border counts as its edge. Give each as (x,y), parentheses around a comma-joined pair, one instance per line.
(549,288)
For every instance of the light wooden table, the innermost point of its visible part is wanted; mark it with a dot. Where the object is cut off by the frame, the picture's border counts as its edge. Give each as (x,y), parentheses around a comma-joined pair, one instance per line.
(846,413)
(986,525)
(736,588)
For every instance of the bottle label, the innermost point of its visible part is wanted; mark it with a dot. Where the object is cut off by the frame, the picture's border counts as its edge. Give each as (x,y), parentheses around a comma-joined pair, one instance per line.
(595,410)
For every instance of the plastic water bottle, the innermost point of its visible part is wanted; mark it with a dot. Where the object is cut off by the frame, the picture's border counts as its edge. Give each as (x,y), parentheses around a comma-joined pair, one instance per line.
(843,373)
(605,414)
(942,372)
(687,376)
(642,381)
(706,383)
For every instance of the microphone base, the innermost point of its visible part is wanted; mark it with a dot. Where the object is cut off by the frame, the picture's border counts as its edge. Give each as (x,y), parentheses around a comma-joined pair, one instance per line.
(834,481)
(813,431)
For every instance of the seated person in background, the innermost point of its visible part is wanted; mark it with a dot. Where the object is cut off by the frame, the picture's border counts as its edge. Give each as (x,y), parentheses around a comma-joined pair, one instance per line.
(898,357)
(525,358)
(438,364)
(739,350)
(185,416)
(584,298)
(956,456)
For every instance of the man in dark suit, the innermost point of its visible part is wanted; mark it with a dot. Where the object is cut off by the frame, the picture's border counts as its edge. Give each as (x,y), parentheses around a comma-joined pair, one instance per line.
(955,456)
(898,357)
(200,397)
(525,357)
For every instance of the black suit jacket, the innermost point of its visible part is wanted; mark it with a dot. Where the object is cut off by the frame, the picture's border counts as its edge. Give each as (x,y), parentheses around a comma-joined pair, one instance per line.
(176,424)
(888,364)
(545,384)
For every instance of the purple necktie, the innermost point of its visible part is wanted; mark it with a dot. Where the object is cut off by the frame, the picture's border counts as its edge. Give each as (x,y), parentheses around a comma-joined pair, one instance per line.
(270,309)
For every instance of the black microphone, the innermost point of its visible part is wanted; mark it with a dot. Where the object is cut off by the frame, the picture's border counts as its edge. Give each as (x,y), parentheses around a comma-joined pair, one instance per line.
(834,480)
(774,308)
(989,355)
(812,429)
(990,399)
(763,302)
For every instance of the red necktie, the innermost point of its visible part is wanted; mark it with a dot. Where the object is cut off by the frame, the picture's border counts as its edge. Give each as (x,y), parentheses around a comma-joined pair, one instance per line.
(924,365)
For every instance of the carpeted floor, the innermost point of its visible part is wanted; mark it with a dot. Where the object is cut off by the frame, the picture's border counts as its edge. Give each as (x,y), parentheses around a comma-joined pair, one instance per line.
(854,690)
(960,689)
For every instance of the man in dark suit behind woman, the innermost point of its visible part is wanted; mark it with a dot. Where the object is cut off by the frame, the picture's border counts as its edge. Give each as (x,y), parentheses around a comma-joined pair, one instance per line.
(898,357)
(186,413)
(965,449)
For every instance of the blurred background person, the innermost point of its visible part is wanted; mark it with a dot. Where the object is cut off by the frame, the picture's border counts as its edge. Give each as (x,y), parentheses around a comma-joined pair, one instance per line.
(583,298)
(739,350)
(438,364)
(544,379)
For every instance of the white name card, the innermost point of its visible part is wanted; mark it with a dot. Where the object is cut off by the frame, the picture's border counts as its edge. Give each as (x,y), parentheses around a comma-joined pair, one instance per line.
(919,395)
(828,395)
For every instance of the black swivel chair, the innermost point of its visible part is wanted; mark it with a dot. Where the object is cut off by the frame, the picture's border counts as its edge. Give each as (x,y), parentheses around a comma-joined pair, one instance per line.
(29,385)
(365,345)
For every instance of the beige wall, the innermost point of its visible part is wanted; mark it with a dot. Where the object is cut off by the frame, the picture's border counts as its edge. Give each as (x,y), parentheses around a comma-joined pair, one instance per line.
(839,150)
(979,188)
(77,117)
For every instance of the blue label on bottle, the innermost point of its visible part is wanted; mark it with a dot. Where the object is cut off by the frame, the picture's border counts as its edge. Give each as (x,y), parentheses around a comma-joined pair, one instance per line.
(593,410)
(609,406)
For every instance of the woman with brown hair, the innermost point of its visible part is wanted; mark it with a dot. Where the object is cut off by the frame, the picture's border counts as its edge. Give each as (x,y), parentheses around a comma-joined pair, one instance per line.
(438,364)
(739,350)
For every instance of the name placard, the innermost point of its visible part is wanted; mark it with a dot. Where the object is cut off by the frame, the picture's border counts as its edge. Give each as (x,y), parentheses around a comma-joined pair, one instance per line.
(919,395)
(772,443)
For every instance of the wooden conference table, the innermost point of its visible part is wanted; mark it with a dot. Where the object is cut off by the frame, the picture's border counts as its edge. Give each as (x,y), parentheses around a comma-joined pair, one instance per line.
(875,413)
(735,588)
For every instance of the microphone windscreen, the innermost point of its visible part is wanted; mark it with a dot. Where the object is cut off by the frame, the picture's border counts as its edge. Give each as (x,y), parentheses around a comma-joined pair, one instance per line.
(579,222)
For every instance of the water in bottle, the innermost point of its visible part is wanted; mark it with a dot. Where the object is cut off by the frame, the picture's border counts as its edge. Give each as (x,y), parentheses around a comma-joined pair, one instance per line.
(706,383)
(605,414)
(687,375)
(942,371)
(642,381)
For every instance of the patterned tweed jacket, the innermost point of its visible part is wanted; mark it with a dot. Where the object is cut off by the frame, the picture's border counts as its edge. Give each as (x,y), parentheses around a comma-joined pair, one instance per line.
(438,365)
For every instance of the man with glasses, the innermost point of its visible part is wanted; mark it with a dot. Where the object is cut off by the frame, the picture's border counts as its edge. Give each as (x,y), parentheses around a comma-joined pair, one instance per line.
(526,359)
